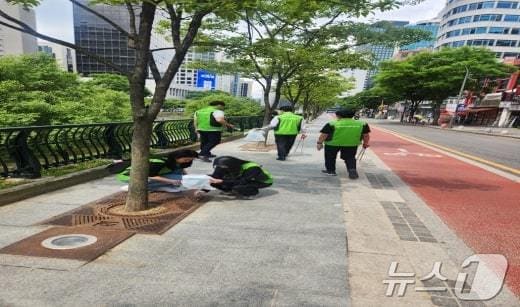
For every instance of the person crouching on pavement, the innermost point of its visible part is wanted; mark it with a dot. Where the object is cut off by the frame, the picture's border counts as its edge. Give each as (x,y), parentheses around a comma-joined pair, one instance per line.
(286,127)
(239,177)
(343,135)
(165,174)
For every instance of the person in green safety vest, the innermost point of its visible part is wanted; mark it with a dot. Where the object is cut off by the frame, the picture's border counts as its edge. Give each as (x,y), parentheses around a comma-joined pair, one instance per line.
(286,127)
(343,135)
(239,177)
(165,174)
(209,123)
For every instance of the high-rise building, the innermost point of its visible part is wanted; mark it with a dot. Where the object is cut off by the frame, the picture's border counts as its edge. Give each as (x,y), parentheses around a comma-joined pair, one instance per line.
(431,26)
(101,38)
(16,42)
(65,57)
(491,24)
(189,79)
(359,77)
(380,53)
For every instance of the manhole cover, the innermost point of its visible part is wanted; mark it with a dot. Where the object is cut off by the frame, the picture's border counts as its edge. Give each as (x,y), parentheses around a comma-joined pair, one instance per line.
(70,241)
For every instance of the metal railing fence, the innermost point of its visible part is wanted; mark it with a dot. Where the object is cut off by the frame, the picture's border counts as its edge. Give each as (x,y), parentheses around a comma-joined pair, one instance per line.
(25,151)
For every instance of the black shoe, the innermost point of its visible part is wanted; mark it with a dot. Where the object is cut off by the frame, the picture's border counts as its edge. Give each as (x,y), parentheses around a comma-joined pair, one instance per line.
(212,156)
(227,193)
(243,197)
(205,159)
(280,159)
(329,173)
(352,174)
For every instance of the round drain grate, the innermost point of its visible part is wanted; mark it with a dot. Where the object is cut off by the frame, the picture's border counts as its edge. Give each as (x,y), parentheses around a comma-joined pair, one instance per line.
(70,241)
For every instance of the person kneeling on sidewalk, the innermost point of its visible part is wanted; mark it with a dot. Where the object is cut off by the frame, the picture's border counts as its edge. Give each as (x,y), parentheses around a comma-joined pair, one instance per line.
(239,177)
(165,174)
(344,135)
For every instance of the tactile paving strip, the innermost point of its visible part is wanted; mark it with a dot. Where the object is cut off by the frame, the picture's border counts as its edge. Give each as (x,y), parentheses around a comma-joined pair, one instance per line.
(379,181)
(447,298)
(406,223)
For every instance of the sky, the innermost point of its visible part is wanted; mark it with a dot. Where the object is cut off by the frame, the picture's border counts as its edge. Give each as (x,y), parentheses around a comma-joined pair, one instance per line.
(54,17)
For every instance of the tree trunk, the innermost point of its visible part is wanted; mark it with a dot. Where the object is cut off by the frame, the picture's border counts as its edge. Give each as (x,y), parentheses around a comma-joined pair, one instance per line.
(277,93)
(267,104)
(436,113)
(413,109)
(315,111)
(268,107)
(137,198)
(305,108)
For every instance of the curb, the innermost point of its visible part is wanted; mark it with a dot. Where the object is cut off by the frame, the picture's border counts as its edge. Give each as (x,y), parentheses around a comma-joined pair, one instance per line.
(39,187)
(481,133)
(472,132)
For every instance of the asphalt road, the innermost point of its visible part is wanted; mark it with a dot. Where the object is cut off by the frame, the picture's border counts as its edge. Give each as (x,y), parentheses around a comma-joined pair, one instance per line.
(497,149)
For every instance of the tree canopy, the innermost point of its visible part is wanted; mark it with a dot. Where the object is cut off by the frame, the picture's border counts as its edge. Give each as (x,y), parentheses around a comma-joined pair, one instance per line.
(282,39)
(437,75)
(35,91)
(113,82)
(315,92)
(235,106)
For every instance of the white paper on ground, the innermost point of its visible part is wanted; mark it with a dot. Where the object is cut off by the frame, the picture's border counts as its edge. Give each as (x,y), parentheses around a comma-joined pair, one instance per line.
(255,136)
(170,189)
(196,182)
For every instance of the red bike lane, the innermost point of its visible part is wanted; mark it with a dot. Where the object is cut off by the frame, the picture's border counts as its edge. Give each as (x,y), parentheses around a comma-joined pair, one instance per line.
(481,207)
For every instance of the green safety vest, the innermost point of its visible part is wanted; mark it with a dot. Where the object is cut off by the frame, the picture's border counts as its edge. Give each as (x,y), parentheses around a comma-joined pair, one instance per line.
(204,122)
(289,124)
(249,165)
(124,176)
(347,132)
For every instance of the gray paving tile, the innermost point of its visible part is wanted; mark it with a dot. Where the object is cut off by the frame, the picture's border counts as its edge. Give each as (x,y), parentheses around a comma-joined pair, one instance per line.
(444,301)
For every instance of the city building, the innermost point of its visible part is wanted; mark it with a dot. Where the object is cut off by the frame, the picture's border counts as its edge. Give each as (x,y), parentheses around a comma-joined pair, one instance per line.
(65,57)
(491,24)
(14,42)
(98,36)
(189,79)
(246,88)
(431,26)
(380,53)
(402,55)
(500,108)
(359,76)
(101,38)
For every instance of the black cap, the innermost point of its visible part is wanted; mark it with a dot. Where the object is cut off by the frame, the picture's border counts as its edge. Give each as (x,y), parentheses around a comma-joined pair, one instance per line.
(217,103)
(286,108)
(346,113)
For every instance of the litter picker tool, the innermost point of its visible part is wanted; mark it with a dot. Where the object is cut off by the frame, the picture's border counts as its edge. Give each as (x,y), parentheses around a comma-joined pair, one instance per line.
(361,154)
(300,144)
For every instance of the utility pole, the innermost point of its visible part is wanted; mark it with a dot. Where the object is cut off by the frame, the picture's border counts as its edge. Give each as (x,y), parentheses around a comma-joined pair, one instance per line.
(461,92)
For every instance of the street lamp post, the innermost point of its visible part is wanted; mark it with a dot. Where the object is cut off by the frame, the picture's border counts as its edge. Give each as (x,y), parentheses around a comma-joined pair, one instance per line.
(461,92)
